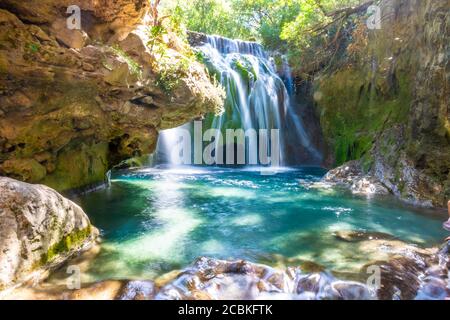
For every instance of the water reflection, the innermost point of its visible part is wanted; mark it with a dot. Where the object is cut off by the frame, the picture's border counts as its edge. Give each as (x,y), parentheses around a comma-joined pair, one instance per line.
(159,219)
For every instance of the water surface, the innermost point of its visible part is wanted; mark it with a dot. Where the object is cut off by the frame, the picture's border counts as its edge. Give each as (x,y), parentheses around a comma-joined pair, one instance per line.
(157,220)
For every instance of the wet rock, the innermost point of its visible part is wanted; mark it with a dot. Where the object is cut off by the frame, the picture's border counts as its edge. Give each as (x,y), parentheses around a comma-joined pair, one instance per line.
(206,279)
(352,176)
(317,283)
(138,290)
(38,229)
(433,288)
(399,278)
(423,275)
(218,279)
(77,101)
(356,236)
(282,262)
(347,290)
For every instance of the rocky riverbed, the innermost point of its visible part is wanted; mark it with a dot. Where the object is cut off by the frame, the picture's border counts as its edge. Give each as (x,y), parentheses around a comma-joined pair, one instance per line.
(401,278)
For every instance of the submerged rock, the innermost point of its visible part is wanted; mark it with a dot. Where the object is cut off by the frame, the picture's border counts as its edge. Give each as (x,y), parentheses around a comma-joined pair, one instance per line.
(39,229)
(421,275)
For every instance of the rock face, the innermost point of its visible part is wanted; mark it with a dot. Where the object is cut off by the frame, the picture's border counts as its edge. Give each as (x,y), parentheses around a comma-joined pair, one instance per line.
(99,19)
(74,103)
(384,101)
(38,229)
(236,280)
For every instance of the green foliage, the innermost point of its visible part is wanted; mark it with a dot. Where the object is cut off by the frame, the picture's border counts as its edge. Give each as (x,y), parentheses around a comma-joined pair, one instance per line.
(353,113)
(283,25)
(156,33)
(254,20)
(134,67)
(169,67)
(245,69)
(267,18)
(209,16)
(170,73)
(200,56)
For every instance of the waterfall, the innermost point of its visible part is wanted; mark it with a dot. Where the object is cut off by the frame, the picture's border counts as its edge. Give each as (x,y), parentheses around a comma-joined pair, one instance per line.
(108,179)
(167,141)
(257,98)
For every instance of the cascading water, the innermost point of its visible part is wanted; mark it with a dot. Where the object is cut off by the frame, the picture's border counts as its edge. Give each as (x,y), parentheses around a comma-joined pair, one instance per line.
(257,98)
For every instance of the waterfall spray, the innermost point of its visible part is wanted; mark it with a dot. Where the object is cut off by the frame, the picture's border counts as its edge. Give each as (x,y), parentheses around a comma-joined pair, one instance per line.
(257,99)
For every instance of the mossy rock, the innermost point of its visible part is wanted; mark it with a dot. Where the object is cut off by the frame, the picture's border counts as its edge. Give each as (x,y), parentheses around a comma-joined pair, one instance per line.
(65,245)
(24,169)
(79,166)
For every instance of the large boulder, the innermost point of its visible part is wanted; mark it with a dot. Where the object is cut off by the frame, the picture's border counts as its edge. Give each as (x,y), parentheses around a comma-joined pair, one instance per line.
(38,229)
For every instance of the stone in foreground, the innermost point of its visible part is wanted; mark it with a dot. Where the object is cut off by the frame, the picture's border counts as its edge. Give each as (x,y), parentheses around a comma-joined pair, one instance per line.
(39,229)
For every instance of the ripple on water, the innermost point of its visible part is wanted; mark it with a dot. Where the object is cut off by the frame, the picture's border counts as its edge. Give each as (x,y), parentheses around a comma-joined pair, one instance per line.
(156,220)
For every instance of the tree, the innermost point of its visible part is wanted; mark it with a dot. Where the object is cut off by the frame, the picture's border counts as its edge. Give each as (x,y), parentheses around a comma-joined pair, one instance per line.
(316,35)
(210,17)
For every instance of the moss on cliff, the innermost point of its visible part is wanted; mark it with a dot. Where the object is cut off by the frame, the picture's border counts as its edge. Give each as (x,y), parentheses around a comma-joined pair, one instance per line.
(79,166)
(353,111)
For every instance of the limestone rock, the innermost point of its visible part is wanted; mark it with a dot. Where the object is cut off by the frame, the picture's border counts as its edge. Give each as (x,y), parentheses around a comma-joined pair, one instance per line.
(384,101)
(352,176)
(100,19)
(90,106)
(38,229)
